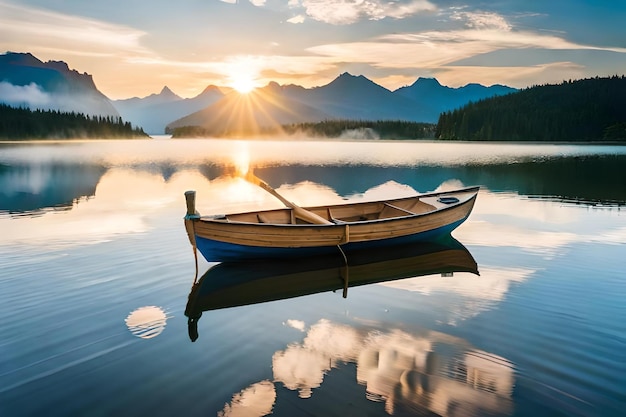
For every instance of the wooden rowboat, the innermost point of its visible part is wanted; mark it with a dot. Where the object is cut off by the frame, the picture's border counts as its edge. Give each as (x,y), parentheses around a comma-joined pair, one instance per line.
(234,284)
(298,232)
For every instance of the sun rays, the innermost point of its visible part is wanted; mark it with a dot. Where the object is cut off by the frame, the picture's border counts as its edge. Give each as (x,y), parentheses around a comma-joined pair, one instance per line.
(254,113)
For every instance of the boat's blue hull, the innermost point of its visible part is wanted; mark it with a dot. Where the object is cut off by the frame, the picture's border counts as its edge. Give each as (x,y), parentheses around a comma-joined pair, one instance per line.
(217,251)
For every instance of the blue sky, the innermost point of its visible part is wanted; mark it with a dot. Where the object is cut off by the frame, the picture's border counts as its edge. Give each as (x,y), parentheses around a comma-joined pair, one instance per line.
(134,48)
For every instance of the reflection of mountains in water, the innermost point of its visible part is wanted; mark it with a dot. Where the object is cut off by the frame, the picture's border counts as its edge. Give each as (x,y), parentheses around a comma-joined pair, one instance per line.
(237,284)
(28,188)
(35,188)
(586,180)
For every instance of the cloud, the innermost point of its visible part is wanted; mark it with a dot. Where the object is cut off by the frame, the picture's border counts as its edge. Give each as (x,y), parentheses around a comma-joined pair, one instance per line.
(509,74)
(350,11)
(482,20)
(476,34)
(34,97)
(296,19)
(30,95)
(21,26)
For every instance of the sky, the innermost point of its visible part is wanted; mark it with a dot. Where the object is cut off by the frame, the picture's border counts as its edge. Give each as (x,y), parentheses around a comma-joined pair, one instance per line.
(135,48)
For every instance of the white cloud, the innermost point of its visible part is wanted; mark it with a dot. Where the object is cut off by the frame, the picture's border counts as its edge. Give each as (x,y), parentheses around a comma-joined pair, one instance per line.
(482,20)
(437,51)
(509,75)
(22,27)
(34,97)
(350,11)
(30,95)
(296,19)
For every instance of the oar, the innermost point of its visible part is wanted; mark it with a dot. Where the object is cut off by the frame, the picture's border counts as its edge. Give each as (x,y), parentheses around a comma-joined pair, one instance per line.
(298,211)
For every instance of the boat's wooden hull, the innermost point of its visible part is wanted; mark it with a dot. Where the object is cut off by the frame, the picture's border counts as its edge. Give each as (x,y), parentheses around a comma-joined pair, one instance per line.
(238,237)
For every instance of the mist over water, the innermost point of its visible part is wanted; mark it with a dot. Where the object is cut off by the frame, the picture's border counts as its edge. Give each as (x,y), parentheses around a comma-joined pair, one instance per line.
(96,274)
(314,152)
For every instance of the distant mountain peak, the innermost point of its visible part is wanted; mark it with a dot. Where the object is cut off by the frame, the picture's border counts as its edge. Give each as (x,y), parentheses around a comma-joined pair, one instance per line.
(167,93)
(212,89)
(347,80)
(427,81)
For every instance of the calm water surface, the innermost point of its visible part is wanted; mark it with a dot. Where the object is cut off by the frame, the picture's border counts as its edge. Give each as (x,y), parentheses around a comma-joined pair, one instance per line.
(96,273)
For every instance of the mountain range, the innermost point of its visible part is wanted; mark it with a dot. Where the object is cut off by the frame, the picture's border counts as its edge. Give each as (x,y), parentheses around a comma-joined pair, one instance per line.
(27,81)
(347,97)
(153,112)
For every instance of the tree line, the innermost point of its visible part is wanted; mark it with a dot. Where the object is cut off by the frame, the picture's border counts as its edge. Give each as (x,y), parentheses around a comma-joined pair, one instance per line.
(360,129)
(584,110)
(23,124)
(384,129)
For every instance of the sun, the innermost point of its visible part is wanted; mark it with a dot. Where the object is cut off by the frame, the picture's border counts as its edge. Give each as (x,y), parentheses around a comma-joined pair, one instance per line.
(242,82)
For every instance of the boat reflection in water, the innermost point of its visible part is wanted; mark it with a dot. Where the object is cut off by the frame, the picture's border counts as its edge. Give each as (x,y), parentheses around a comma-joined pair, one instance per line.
(421,372)
(232,284)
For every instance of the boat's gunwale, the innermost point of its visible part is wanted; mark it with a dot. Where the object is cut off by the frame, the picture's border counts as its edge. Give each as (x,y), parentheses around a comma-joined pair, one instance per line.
(342,224)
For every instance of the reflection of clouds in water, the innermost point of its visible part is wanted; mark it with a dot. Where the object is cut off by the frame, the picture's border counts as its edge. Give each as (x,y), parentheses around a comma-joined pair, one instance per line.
(533,225)
(386,190)
(256,400)
(331,339)
(429,371)
(611,237)
(479,293)
(492,284)
(302,367)
(296,324)
(547,244)
(308,193)
(299,368)
(146,322)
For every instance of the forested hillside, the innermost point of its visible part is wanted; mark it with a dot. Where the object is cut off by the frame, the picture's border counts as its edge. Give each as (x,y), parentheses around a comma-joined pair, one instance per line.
(584,110)
(24,124)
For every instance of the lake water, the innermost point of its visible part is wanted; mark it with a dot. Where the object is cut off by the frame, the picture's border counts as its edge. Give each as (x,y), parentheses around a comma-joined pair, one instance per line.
(96,272)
